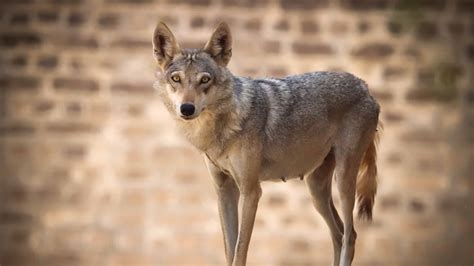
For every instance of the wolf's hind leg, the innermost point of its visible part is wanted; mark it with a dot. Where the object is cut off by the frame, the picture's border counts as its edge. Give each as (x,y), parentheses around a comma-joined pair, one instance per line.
(319,184)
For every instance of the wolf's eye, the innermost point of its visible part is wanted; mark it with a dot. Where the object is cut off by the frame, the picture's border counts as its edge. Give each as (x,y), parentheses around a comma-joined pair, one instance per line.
(205,79)
(175,78)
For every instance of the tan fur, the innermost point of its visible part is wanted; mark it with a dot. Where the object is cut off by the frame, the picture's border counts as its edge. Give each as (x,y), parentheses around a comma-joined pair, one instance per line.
(253,130)
(367,180)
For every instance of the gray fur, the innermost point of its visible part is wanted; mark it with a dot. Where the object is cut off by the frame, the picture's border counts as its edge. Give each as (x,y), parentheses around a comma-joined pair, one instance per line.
(252,130)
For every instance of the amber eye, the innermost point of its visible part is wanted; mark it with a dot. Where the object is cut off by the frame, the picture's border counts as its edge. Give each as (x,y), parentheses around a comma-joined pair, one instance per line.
(205,79)
(175,78)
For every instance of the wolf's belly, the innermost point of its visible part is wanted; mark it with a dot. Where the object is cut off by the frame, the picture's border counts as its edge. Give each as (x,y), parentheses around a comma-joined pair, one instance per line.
(294,163)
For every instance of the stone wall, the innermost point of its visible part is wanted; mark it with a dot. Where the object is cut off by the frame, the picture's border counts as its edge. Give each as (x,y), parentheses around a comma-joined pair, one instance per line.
(93,173)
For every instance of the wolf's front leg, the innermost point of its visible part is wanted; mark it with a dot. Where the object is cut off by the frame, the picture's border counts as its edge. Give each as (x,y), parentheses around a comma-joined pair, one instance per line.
(250,197)
(228,201)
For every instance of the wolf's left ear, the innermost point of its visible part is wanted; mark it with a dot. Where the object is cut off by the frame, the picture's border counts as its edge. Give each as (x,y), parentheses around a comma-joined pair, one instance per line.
(165,46)
(220,44)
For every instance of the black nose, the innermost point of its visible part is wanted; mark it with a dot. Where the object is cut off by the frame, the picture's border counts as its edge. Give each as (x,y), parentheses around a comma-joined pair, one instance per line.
(187,109)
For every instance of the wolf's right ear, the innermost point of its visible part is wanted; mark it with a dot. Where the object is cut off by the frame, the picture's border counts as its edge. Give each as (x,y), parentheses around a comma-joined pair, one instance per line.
(220,44)
(165,46)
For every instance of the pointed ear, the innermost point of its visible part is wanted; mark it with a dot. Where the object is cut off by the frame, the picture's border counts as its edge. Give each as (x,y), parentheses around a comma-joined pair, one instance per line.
(220,44)
(165,46)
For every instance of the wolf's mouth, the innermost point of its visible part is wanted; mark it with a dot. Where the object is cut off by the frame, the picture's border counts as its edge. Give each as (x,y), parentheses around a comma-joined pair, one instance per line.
(188,117)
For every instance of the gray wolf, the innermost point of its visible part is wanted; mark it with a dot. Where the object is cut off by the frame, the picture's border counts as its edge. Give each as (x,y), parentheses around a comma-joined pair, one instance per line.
(252,130)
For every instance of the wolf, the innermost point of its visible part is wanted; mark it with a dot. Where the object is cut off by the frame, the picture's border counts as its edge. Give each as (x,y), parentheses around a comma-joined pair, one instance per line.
(307,126)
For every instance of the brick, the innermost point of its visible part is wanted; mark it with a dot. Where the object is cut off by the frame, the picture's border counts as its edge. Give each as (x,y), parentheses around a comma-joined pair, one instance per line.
(412,52)
(77,42)
(15,217)
(309,27)
(282,25)
(14,39)
(312,49)
(277,72)
(426,77)
(470,51)
(192,44)
(19,19)
(193,2)
(455,28)
(139,132)
(135,110)
(19,61)
(361,5)
(363,27)
(197,22)
(416,205)
(394,27)
(373,51)
(47,62)
(44,106)
(420,95)
(420,5)
(465,6)
(421,135)
(393,117)
(75,84)
(253,25)
(338,27)
(66,2)
(71,128)
(133,88)
(383,96)
(245,3)
(271,47)
(394,73)
(131,43)
(48,16)
(23,83)
(426,30)
(389,202)
(76,19)
(303,4)
(16,129)
(19,2)
(276,200)
(74,109)
(109,20)
(129,2)
(74,152)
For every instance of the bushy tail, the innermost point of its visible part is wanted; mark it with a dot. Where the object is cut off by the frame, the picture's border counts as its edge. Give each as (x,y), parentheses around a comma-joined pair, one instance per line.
(367,180)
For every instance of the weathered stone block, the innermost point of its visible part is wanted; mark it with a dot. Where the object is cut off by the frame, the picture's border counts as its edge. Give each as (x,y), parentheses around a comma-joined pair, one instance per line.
(303,4)
(48,16)
(71,128)
(426,30)
(197,22)
(245,3)
(365,4)
(47,62)
(373,51)
(17,129)
(109,20)
(282,25)
(303,48)
(13,39)
(134,88)
(75,84)
(23,83)
(309,27)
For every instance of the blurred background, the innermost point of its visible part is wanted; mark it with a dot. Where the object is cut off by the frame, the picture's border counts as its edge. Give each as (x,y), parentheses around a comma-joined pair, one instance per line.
(92,171)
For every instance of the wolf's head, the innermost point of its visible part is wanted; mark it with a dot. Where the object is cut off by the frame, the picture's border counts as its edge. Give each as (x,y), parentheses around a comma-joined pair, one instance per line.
(193,80)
